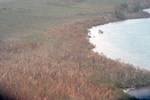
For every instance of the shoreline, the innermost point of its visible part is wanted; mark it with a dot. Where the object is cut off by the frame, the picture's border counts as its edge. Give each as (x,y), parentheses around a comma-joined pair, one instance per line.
(127,90)
(145,16)
(140,15)
(104,41)
(66,54)
(140,93)
(130,89)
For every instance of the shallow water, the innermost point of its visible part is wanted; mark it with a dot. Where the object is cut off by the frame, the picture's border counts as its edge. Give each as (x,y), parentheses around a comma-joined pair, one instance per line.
(127,40)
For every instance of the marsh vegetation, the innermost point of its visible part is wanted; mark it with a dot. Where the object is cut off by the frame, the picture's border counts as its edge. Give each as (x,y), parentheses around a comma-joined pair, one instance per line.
(45,53)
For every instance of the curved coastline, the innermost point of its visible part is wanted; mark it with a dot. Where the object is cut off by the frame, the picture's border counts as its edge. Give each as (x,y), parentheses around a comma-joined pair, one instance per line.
(100,39)
(58,62)
(107,44)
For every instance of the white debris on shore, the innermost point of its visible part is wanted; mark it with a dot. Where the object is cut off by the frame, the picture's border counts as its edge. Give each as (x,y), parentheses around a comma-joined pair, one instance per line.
(128,89)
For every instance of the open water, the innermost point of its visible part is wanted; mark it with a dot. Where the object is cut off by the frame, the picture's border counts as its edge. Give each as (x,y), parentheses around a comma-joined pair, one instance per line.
(127,40)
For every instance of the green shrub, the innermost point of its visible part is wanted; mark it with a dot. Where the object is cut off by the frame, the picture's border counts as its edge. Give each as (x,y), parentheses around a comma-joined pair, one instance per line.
(119,15)
(124,6)
(137,7)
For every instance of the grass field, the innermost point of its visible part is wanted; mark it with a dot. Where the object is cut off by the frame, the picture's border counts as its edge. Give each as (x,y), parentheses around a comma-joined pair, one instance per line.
(45,53)
(18,18)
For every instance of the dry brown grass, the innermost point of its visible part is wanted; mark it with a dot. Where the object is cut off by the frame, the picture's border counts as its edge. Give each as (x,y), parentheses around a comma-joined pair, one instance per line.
(64,67)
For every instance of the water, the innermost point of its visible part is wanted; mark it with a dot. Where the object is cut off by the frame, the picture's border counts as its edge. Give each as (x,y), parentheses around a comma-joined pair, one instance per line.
(127,40)
(142,94)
